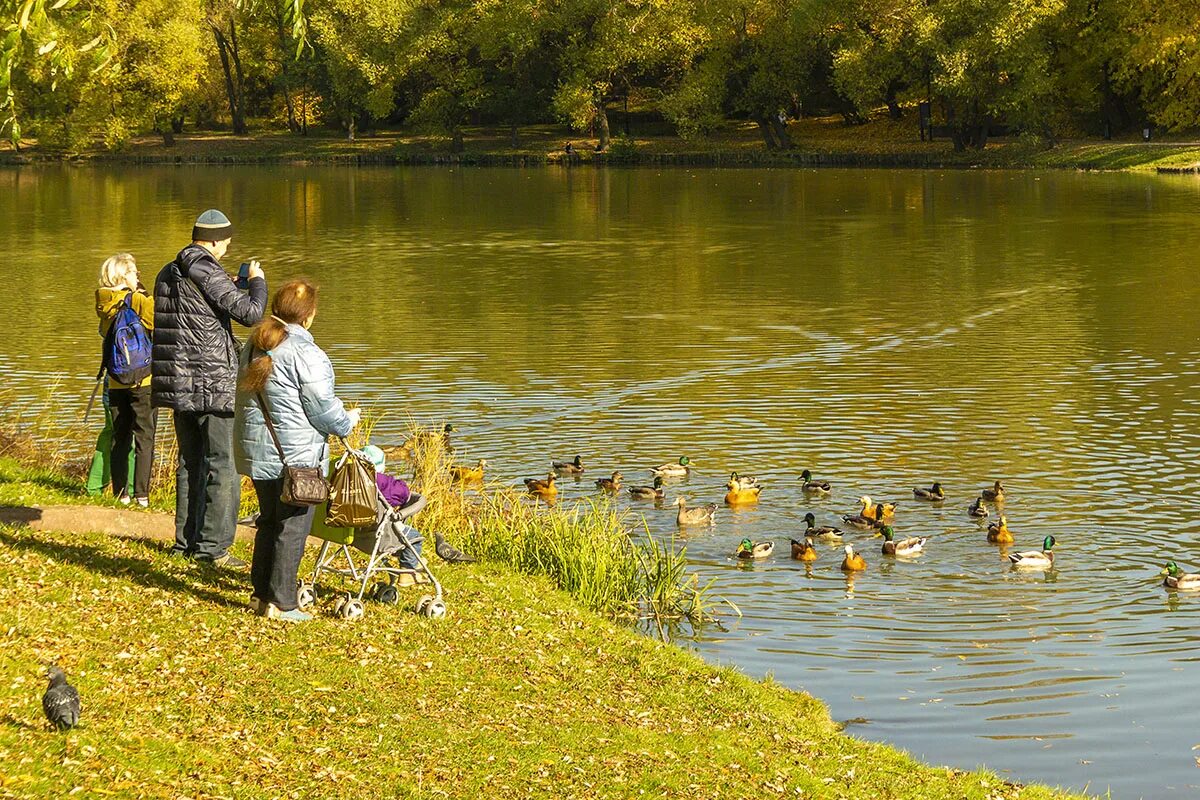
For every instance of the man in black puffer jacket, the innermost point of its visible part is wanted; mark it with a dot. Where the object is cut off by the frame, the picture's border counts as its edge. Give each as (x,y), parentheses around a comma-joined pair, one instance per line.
(195,364)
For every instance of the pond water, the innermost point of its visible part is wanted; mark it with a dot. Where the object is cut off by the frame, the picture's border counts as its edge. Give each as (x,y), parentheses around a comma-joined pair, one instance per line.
(883,328)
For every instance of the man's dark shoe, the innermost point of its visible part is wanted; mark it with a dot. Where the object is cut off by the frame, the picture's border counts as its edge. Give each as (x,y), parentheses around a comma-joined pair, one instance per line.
(226,561)
(448,552)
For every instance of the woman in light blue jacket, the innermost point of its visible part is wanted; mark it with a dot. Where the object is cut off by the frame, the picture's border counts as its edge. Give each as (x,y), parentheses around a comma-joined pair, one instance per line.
(283,368)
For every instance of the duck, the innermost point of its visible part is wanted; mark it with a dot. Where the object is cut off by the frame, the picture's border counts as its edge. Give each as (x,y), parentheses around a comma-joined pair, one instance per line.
(1178,579)
(905,547)
(869,508)
(462,474)
(612,484)
(811,486)
(421,438)
(998,531)
(1035,559)
(754,550)
(996,492)
(825,533)
(655,492)
(700,515)
(678,470)
(853,562)
(804,552)
(740,496)
(544,489)
(864,522)
(574,467)
(933,494)
(743,481)
(977,509)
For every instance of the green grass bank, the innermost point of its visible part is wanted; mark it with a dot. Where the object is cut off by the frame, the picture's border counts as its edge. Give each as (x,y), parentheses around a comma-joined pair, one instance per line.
(824,141)
(520,692)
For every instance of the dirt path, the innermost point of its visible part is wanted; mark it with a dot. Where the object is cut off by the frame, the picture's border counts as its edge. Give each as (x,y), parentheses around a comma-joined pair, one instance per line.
(154,525)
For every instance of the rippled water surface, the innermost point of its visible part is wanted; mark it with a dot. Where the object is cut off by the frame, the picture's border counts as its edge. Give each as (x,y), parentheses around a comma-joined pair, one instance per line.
(885,329)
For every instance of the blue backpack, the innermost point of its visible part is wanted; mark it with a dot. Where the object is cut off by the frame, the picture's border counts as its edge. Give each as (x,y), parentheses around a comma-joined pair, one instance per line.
(127,347)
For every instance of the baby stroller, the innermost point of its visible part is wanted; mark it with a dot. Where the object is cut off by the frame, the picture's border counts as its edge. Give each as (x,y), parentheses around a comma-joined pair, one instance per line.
(391,538)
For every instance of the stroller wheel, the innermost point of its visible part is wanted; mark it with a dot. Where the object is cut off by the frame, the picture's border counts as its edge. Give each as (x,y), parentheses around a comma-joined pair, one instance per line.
(306,596)
(386,593)
(423,604)
(435,610)
(352,609)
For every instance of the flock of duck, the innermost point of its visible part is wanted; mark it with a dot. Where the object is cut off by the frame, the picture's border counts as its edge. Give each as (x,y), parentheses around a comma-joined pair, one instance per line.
(878,517)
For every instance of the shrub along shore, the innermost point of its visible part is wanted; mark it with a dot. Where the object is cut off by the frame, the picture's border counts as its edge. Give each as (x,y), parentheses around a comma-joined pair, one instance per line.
(817,142)
(522,691)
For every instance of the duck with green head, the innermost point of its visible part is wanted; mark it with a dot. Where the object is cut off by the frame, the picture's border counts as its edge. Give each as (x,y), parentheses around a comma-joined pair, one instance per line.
(1035,559)
(865,522)
(1176,578)
(754,550)
(977,510)
(655,492)
(812,486)
(905,547)
(678,470)
(574,467)
(825,533)
(933,494)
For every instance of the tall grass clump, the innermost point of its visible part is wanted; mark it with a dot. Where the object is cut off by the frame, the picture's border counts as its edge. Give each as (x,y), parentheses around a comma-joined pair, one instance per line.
(588,548)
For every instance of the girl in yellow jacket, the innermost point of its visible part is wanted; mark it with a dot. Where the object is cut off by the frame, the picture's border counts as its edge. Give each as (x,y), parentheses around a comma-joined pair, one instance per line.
(134,420)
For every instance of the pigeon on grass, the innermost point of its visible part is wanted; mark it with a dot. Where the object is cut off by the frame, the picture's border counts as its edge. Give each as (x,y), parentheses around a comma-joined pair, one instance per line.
(448,552)
(61,701)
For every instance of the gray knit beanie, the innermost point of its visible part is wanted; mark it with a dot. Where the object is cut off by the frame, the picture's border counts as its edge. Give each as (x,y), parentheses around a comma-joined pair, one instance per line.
(212,226)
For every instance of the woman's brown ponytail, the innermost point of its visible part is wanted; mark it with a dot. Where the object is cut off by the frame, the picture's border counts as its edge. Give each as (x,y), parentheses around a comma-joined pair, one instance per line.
(295,302)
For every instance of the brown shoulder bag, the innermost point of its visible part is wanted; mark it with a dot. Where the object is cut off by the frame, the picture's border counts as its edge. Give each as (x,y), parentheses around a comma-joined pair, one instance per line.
(302,486)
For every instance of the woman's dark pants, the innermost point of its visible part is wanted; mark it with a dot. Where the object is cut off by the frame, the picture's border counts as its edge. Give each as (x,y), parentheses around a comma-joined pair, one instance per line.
(278,545)
(133,429)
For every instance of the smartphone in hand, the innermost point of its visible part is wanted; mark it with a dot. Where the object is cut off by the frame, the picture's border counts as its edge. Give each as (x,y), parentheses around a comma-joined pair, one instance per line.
(243,278)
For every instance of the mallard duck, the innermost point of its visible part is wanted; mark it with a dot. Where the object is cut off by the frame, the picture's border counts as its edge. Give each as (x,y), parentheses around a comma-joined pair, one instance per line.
(853,562)
(811,486)
(1178,579)
(544,489)
(933,494)
(679,470)
(700,515)
(743,481)
(823,534)
(655,492)
(993,494)
(473,474)
(998,531)
(864,522)
(977,509)
(740,496)
(568,467)
(804,552)
(421,438)
(1035,559)
(748,549)
(905,547)
(612,484)
(869,508)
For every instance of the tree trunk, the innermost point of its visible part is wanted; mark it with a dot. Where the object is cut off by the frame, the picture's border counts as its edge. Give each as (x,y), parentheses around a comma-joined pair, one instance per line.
(168,136)
(239,124)
(232,87)
(764,128)
(514,136)
(351,127)
(781,132)
(177,124)
(456,141)
(602,123)
(893,107)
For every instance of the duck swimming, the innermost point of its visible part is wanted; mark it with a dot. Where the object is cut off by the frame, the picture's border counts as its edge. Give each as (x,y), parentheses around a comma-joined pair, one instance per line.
(853,562)
(544,489)
(748,549)
(825,533)
(977,509)
(655,492)
(998,531)
(611,484)
(679,470)
(905,547)
(1178,579)
(461,474)
(811,486)
(993,494)
(864,522)
(1035,559)
(700,515)
(740,496)
(743,481)
(568,467)
(932,494)
(804,552)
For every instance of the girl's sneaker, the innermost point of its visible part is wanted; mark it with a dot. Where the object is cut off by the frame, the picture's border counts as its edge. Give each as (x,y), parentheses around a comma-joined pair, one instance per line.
(144,502)
(123,499)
